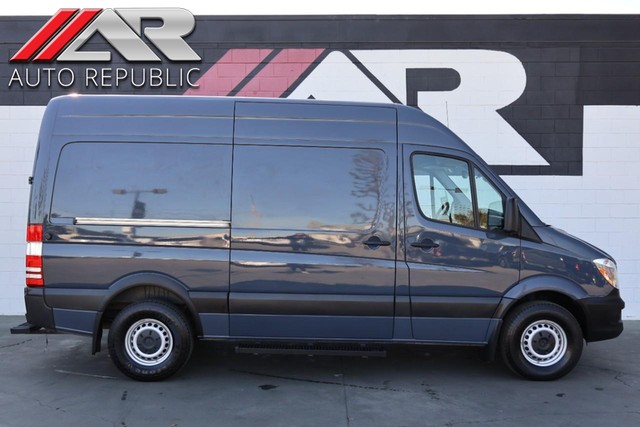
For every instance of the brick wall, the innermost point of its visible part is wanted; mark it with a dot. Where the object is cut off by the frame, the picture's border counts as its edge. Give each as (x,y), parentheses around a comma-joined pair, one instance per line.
(551,102)
(602,206)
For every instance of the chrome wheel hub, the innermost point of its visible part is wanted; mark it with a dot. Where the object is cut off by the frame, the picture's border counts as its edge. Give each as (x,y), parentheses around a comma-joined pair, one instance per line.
(148,342)
(543,343)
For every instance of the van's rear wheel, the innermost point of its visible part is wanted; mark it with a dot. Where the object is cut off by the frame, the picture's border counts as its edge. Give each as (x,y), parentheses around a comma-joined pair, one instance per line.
(150,340)
(541,341)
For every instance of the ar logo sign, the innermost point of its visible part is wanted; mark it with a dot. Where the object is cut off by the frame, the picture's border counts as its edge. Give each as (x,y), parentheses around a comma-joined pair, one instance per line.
(69,29)
(487,81)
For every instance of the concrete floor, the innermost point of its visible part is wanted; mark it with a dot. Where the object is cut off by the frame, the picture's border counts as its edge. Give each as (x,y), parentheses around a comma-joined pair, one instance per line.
(54,381)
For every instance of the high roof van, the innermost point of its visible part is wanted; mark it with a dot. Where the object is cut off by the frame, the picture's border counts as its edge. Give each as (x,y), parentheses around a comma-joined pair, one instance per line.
(300,225)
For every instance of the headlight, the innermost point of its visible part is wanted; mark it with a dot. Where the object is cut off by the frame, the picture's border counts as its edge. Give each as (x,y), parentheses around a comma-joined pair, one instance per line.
(608,269)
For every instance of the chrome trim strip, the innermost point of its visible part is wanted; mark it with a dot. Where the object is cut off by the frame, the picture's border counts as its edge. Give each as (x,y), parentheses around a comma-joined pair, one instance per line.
(142,222)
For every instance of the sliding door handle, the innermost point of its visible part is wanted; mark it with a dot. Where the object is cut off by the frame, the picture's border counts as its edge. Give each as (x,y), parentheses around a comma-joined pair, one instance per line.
(425,244)
(375,241)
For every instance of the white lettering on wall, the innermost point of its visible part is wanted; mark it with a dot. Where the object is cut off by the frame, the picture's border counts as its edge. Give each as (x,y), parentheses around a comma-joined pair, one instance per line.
(489,80)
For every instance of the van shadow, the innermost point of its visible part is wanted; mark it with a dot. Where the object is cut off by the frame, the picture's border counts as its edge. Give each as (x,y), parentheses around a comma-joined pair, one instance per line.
(405,367)
(402,365)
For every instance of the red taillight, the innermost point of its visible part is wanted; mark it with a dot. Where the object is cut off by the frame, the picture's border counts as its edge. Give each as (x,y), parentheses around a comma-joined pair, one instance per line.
(34,233)
(34,256)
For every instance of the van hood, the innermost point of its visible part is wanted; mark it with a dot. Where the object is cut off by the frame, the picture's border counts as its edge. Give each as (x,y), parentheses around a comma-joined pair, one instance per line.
(578,247)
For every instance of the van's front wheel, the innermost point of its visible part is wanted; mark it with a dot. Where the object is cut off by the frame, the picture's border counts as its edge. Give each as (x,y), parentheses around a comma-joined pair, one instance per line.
(150,340)
(541,341)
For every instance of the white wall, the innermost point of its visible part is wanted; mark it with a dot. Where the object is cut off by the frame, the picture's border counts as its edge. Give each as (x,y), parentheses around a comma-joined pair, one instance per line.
(602,206)
(19,126)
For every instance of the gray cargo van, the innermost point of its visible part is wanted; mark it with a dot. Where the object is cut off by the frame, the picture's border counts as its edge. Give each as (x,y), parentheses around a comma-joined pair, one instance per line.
(294,225)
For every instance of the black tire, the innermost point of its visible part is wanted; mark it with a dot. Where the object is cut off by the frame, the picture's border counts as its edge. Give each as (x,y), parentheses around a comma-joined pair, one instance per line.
(150,340)
(540,354)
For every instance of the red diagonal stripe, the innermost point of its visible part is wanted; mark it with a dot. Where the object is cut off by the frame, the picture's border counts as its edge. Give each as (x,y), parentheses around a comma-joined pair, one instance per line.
(43,35)
(66,35)
(228,72)
(277,76)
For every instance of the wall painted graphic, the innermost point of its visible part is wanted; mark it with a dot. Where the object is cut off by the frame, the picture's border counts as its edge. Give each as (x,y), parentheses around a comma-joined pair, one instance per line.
(463,88)
(551,102)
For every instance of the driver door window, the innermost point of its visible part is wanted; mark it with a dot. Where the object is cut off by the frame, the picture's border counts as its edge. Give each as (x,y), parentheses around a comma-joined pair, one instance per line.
(443,189)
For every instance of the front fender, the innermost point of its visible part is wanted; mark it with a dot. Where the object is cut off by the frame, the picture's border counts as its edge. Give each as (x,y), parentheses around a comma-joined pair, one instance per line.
(541,283)
(528,286)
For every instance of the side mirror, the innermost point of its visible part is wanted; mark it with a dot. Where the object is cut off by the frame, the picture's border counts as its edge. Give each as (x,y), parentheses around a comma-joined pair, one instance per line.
(511,216)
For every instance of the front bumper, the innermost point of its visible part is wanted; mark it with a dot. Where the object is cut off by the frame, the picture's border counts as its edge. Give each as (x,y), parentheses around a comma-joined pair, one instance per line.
(603,316)
(39,314)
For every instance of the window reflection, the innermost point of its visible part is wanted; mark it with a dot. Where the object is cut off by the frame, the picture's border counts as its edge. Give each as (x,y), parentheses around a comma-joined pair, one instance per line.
(490,203)
(308,188)
(143,180)
(443,189)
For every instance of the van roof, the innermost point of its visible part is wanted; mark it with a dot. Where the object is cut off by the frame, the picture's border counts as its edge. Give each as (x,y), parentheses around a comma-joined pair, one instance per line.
(161,103)
(414,126)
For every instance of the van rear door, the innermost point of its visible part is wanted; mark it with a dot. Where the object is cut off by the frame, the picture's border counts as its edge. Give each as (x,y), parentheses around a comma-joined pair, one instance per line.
(313,221)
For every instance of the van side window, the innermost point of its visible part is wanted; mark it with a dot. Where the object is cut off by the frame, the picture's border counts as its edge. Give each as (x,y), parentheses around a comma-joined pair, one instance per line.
(309,188)
(490,203)
(143,180)
(443,189)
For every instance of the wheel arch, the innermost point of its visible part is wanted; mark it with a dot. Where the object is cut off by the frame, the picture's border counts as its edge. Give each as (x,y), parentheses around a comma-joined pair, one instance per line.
(142,286)
(553,289)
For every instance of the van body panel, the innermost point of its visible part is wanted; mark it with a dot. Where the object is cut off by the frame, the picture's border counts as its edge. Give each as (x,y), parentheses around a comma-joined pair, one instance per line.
(196,268)
(561,239)
(540,283)
(176,128)
(541,260)
(403,329)
(546,282)
(295,123)
(416,128)
(75,321)
(38,313)
(166,117)
(142,106)
(261,272)
(452,329)
(214,325)
(42,181)
(317,327)
(296,240)
(454,306)
(76,298)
